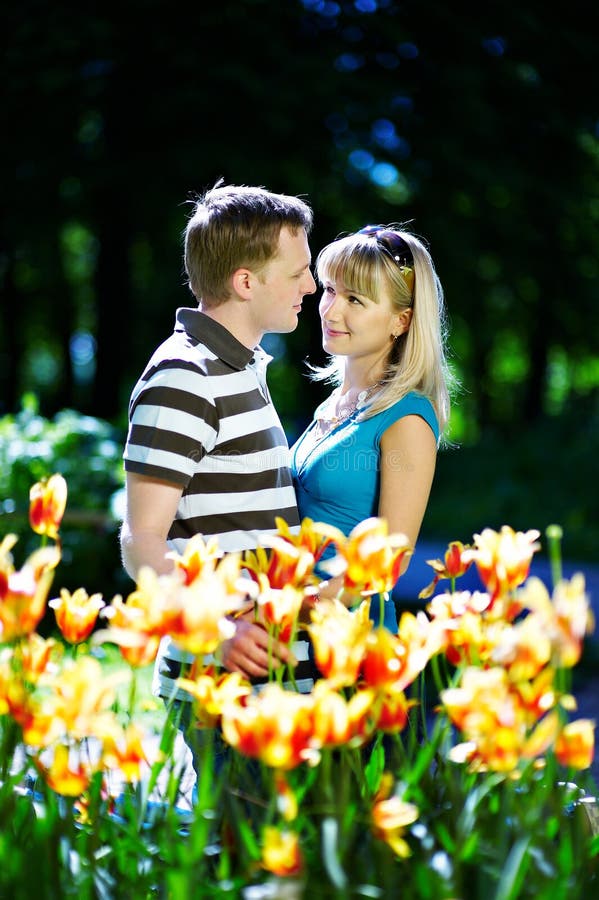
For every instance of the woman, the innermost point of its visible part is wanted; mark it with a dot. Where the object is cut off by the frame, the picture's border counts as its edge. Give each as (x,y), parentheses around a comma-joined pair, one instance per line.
(371,448)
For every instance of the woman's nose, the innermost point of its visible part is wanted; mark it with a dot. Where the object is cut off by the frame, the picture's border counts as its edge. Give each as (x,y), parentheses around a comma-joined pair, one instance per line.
(327,304)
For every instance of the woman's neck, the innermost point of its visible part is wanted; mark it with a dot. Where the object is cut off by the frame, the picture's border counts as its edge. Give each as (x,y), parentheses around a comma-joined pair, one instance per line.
(358,378)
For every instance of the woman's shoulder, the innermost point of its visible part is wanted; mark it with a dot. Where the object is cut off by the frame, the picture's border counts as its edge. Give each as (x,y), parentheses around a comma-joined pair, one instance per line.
(412,404)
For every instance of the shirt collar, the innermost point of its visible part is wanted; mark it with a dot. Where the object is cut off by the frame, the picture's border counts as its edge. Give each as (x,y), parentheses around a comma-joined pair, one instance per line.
(216,337)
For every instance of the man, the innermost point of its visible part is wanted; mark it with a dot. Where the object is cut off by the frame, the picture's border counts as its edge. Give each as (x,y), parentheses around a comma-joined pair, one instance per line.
(205,451)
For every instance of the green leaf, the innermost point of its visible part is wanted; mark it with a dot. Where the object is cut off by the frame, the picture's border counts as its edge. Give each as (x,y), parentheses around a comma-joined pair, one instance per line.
(512,876)
(373,769)
(330,855)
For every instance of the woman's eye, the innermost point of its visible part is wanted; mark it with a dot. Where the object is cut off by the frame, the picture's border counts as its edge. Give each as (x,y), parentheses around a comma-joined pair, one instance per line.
(354,300)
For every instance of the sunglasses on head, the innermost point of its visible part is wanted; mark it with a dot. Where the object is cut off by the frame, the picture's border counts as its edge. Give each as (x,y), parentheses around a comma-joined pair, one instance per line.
(395,247)
(391,242)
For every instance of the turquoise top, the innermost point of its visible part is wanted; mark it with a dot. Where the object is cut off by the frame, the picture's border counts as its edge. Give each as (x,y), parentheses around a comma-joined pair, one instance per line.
(337,477)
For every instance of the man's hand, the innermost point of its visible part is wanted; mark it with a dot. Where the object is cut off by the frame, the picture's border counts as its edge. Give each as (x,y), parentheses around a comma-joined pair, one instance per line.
(247,652)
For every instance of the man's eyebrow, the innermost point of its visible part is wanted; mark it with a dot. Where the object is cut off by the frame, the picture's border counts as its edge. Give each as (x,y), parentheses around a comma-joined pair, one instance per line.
(303,268)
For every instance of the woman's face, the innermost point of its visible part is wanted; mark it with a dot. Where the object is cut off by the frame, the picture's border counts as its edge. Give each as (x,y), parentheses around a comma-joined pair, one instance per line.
(357,326)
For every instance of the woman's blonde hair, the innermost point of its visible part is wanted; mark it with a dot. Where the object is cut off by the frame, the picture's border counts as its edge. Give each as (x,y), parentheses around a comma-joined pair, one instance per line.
(417,360)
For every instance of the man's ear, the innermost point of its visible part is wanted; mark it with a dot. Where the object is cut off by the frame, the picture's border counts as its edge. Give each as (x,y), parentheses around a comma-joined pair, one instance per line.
(241,282)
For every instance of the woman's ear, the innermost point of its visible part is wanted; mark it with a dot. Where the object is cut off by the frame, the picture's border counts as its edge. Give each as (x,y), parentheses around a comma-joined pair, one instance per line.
(402,323)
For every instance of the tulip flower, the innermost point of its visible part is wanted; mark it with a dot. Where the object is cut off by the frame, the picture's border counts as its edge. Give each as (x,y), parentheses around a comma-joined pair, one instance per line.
(274,726)
(33,656)
(337,720)
(396,659)
(287,804)
(79,700)
(212,693)
(564,619)
(575,746)
(339,639)
(202,623)
(452,566)
(281,852)
(198,557)
(314,537)
(137,646)
(502,558)
(124,752)
(283,564)
(466,633)
(392,709)
(14,692)
(280,608)
(389,820)
(47,503)
(23,594)
(370,559)
(76,614)
(499,727)
(65,776)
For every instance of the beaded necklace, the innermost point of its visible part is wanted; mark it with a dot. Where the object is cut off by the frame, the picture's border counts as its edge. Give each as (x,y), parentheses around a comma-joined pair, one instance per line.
(334,413)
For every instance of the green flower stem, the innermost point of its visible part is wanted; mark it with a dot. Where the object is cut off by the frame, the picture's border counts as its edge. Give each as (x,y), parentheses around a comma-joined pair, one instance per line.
(554,535)
(132,693)
(271,669)
(291,669)
(436,670)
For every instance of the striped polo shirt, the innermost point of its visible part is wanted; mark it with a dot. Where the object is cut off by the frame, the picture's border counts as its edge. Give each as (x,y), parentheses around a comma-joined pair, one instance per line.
(201,417)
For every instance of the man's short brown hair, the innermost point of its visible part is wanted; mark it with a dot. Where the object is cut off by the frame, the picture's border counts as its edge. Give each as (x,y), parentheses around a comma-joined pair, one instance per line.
(233,227)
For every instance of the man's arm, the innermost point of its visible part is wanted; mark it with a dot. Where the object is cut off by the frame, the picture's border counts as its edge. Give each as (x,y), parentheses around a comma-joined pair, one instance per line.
(151,508)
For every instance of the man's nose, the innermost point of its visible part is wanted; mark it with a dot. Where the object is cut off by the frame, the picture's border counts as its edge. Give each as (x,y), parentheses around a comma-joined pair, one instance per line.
(311,284)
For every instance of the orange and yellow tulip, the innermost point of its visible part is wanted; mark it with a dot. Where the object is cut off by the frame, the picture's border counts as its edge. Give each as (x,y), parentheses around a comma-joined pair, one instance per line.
(339,639)
(312,536)
(280,609)
(198,557)
(281,852)
(575,746)
(390,817)
(124,752)
(76,614)
(371,559)
(336,720)
(47,503)
(66,777)
(212,692)
(452,566)
(502,558)
(274,726)
(281,563)
(23,594)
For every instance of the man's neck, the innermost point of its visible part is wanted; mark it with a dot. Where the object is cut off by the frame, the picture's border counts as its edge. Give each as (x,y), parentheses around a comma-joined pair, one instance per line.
(231,317)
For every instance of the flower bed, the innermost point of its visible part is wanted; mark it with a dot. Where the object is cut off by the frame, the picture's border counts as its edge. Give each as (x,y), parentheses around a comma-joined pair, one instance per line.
(444,761)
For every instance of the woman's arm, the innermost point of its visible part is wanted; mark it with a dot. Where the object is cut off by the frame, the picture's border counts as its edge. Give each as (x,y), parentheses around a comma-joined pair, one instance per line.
(408,458)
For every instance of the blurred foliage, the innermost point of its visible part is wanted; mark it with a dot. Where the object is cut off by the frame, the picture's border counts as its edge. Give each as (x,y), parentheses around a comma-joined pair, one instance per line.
(88,453)
(529,479)
(477,125)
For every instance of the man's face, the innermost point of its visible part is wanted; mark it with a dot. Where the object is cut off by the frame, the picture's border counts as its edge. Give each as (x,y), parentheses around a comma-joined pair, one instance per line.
(282,285)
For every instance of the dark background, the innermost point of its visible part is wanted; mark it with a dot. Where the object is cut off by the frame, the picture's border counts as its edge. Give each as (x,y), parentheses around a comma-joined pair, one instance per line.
(477,124)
